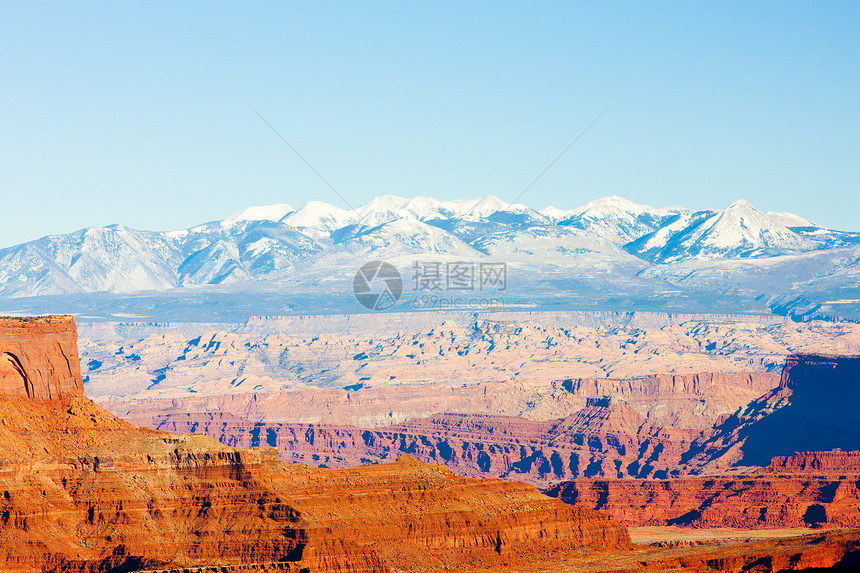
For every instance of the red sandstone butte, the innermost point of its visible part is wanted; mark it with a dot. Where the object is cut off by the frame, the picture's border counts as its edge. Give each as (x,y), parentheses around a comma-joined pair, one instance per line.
(39,357)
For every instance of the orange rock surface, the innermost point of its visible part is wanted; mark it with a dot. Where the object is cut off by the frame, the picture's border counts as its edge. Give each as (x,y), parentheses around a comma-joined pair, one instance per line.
(83,490)
(39,357)
(834,461)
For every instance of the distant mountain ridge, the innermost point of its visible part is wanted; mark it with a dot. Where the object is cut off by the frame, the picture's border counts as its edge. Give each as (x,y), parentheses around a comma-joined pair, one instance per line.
(319,242)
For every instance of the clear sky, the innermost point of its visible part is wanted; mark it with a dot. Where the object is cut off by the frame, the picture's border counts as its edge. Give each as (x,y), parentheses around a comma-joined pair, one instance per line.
(143,113)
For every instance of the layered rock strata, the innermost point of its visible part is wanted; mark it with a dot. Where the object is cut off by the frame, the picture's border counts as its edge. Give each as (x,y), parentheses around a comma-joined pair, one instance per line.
(809,489)
(813,406)
(818,552)
(606,438)
(371,371)
(83,490)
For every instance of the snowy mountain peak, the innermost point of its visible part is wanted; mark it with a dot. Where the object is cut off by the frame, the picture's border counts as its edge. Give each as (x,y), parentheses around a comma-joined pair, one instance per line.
(319,215)
(429,208)
(616,219)
(554,213)
(383,203)
(490,204)
(744,229)
(276,243)
(742,204)
(738,231)
(261,213)
(612,205)
(487,206)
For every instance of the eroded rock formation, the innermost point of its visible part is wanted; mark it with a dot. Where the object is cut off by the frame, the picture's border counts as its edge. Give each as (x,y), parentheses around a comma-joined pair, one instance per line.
(813,407)
(83,490)
(371,371)
(39,357)
(606,438)
(637,428)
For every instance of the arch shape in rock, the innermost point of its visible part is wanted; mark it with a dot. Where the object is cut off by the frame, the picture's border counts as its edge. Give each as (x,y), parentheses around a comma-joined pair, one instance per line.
(13,377)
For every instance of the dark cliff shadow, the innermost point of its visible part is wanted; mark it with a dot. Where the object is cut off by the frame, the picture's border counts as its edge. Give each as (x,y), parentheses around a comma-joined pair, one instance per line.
(823,414)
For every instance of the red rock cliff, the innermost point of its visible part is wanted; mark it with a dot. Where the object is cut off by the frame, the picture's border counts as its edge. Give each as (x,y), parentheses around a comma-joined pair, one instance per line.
(39,357)
(81,490)
(835,461)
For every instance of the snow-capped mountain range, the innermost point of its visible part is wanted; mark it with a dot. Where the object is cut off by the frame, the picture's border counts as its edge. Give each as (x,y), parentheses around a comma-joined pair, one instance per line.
(317,242)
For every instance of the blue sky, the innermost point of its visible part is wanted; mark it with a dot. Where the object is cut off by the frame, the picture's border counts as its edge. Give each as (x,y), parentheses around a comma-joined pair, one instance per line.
(143,113)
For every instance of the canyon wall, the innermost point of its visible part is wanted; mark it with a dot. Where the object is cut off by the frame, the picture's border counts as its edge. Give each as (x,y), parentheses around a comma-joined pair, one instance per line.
(814,408)
(605,438)
(689,401)
(618,428)
(809,489)
(834,461)
(39,357)
(658,426)
(813,411)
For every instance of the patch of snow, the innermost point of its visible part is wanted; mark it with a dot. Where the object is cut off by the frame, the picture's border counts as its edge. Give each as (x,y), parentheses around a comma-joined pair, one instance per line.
(790,220)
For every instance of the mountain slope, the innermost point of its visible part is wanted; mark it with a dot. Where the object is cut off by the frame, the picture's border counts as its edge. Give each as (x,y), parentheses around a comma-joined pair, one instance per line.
(739,231)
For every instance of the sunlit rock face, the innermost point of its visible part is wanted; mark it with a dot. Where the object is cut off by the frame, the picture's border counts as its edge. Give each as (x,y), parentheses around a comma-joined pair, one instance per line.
(39,357)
